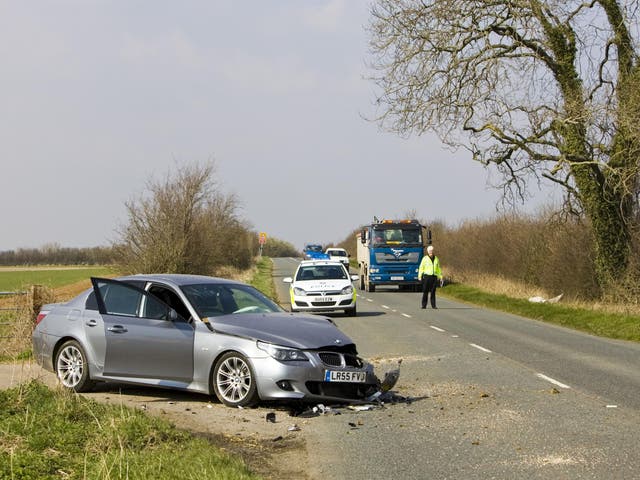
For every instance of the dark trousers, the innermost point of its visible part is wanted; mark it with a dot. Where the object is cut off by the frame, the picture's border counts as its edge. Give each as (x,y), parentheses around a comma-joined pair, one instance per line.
(429,283)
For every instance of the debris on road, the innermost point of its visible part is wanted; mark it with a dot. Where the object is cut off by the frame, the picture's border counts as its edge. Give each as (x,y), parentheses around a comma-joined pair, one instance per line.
(538,299)
(271,417)
(388,382)
(361,408)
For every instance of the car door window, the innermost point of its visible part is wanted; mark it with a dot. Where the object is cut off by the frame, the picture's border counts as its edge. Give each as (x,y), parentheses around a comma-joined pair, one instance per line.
(155,309)
(120,299)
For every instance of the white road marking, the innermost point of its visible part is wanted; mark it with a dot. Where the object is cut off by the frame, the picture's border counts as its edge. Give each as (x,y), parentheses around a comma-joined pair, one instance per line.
(551,380)
(437,329)
(485,350)
(369,300)
(384,306)
(612,406)
(405,315)
(455,336)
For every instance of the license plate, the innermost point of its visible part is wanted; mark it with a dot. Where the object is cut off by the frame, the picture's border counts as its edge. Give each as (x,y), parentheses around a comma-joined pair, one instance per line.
(397,278)
(340,376)
(323,299)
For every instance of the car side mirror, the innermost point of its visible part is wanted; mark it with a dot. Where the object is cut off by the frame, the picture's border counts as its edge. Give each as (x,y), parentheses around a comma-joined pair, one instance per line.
(363,236)
(173,315)
(287,280)
(355,277)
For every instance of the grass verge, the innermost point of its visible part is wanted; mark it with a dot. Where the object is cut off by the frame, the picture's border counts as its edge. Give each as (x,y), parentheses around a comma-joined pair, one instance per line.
(263,278)
(612,325)
(58,434)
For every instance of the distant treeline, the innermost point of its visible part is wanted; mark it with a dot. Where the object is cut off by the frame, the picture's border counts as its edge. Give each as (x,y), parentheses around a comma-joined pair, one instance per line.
(56,255)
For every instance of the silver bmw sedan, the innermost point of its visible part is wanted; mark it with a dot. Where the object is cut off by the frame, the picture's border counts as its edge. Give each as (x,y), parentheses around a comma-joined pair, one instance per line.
(202,334)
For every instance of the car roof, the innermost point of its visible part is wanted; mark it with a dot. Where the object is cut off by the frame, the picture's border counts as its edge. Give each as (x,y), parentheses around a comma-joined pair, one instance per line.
(320,262)
(177,278)
(336,250)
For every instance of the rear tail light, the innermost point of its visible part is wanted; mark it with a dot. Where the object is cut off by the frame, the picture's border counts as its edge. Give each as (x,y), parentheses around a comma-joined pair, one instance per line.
(41,316)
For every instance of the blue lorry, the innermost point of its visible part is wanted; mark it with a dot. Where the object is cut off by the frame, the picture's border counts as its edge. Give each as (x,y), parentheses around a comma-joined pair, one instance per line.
(390,252)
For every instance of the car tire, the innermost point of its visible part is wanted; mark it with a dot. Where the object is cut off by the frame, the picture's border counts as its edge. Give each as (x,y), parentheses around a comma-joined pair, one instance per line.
(72,368)
(350,312)
(234,382)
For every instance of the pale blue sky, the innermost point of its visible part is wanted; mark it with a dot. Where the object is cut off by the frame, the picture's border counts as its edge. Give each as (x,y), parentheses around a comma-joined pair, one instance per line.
(99,95)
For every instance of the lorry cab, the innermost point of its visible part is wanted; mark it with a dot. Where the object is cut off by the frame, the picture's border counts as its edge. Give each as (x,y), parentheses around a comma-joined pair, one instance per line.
(390,252)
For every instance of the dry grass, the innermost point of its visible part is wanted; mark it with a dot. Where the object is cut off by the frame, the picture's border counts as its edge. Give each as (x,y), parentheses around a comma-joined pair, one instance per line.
(499,285)
(19,333)
(233,273)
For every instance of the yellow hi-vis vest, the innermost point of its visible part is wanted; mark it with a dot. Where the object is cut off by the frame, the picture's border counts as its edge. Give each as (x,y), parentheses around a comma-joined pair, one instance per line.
(429,267)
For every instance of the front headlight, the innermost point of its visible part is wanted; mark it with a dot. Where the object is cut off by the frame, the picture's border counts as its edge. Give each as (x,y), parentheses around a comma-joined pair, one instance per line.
(348,290)
(284,354)
(299,291)
(374,270)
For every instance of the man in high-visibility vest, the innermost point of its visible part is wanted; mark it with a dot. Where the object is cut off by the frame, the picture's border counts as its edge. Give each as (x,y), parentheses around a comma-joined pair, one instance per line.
(430,274)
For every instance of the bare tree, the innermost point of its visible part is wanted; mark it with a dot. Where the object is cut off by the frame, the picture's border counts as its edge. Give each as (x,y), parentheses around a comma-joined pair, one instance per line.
(178,226)
(540,89)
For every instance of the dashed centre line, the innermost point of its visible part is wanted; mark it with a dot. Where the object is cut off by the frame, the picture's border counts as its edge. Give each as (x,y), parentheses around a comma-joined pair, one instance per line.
(385,306)
(485,350)
(406,315)
(552,380)
(437,329)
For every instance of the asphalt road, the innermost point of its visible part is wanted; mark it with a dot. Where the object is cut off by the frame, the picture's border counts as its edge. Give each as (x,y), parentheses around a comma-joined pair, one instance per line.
(494,396)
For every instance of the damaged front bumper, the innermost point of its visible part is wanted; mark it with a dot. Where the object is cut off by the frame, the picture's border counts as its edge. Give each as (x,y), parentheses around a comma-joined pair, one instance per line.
(335,377)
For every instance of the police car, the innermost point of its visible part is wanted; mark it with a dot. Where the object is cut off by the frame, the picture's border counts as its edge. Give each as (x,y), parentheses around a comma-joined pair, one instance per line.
(322,286)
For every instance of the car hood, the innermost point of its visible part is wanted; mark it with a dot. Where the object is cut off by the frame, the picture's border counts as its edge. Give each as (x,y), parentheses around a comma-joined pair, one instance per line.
(322,285)
(285,329)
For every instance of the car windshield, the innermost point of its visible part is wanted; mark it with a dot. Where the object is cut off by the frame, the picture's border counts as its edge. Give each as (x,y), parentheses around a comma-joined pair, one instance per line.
(337,253)
(215,299)
(314,248)
(321,272)
(396,236)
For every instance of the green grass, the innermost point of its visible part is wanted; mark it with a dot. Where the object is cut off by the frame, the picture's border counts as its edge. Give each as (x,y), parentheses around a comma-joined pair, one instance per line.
(20,279)
(263,278)
(50,434)
(604,324)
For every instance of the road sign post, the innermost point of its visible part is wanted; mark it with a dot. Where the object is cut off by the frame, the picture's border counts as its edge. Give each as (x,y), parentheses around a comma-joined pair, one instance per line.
(262,239)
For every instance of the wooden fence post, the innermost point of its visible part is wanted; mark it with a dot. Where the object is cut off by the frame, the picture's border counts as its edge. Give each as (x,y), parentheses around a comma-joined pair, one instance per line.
(39,296)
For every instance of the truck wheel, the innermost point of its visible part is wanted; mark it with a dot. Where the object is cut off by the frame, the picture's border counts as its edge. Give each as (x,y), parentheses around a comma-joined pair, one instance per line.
(371,287)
